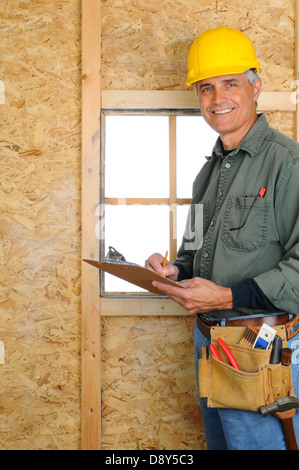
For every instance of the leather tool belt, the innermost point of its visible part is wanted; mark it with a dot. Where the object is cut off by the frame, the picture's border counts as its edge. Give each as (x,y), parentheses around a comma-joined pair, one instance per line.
(291,325)
(255,382)
(251,381)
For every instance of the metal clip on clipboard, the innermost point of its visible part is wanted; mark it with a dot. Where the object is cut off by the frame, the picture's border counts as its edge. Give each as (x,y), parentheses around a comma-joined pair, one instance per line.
(114,256)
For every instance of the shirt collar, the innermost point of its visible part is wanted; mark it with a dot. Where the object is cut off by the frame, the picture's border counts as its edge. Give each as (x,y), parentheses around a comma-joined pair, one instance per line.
(252,141)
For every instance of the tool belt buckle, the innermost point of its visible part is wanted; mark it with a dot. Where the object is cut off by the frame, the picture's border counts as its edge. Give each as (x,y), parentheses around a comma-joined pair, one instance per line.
(292,327)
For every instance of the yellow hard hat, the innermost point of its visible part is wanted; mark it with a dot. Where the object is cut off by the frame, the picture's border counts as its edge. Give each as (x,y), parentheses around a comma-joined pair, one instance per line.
(220,51)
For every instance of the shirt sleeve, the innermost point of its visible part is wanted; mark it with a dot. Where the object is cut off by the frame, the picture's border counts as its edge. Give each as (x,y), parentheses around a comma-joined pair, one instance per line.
(183,274)
(248,294)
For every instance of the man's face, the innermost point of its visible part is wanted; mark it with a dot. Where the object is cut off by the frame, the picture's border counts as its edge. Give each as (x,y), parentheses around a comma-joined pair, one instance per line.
(228,105)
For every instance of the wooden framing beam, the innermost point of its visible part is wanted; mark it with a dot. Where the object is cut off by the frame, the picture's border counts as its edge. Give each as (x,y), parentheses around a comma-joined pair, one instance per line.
(143,99)
(91,325)
(128,307)
(172,187)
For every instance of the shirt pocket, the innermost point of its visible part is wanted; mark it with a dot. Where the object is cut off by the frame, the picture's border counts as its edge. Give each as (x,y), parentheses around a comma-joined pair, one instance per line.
(253,234)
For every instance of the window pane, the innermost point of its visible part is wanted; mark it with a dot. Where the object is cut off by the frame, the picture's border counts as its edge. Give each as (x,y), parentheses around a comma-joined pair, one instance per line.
(135,231)
(137,156)
(195,141)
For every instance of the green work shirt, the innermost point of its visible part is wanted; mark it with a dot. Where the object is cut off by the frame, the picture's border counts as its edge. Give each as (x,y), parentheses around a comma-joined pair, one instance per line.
(224,195)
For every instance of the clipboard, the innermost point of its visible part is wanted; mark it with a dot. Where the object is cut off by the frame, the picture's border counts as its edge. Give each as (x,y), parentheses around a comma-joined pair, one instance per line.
(134,274)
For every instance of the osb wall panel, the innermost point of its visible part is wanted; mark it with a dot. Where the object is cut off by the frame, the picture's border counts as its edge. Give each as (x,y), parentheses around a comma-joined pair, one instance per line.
(40,224)
(283,122)
(145,42)
(149,390)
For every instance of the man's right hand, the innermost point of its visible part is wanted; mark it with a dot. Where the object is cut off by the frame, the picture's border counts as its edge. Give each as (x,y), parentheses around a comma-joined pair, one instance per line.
(155,262)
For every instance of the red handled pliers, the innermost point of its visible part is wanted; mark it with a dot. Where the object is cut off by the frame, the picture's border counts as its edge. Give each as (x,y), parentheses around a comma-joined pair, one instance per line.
(227,351)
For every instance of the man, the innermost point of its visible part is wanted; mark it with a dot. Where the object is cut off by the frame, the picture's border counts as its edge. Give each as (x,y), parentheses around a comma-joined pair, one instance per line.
(245,270)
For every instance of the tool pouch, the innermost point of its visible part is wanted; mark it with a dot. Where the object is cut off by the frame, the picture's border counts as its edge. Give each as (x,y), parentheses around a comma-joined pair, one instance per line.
(256,383)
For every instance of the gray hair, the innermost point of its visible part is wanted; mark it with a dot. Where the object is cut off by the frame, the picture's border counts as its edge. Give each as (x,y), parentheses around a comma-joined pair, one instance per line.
(252,75)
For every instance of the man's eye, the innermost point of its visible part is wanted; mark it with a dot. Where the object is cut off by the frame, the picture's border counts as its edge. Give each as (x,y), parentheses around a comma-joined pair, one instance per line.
(205,90)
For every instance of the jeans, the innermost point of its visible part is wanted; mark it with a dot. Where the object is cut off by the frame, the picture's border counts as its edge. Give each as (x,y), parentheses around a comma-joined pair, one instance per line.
(229,429)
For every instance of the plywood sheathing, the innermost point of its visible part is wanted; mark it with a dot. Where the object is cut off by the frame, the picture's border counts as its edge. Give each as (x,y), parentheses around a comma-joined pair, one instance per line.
(149,392)
(283,122)
(40,224)
(145,43)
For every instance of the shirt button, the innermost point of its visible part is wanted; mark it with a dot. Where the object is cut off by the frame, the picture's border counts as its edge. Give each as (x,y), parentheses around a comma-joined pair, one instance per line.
(206,255)
(227,165)
(220,193)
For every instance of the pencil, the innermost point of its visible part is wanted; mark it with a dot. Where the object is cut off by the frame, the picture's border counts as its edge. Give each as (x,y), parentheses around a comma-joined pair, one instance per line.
(164,261)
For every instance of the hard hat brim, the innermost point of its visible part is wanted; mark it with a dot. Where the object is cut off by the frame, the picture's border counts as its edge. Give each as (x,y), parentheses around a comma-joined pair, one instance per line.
(193,77)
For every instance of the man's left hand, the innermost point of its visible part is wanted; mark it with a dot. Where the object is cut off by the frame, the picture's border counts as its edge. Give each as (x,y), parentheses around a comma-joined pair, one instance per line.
(199,295)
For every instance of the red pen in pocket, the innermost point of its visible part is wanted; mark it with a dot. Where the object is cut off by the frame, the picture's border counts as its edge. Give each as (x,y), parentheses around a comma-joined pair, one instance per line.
(262,193)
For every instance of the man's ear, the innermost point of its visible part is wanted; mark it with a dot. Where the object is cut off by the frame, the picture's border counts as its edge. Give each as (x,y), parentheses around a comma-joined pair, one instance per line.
(257,88)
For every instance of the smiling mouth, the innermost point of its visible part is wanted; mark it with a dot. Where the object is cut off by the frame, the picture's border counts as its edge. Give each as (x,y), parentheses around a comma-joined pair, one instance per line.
(223,111)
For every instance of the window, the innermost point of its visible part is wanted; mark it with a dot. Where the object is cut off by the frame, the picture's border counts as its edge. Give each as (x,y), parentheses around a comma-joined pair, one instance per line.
(148,164)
